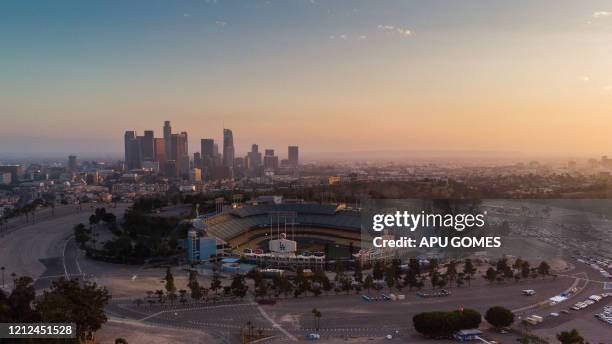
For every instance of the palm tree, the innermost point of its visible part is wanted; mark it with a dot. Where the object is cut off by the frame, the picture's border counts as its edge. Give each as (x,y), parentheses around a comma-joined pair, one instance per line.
(138,302)
(182,294)
(317,316)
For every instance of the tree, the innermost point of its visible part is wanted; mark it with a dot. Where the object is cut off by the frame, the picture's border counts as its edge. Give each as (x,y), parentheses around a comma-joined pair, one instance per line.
(323,280)
(262,289)
(490,275)
(120,341)
(346,284)
(525,269)
(358,275)
(194,285)
(80,234)
(410,279)
(444,324)
(451,272)
(570,337)
(215,283)
(499,316)
(377,271)
(172,296)
(238,287)
(368,283)
(64,303)
(518,264)
(389,277)
(170,287)
(435,278)
(544,268)
(469,270)
(317,318)
(414,266)
(16,307)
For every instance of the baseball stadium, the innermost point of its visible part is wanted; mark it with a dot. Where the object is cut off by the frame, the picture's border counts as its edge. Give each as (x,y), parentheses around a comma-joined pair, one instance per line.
(274,231)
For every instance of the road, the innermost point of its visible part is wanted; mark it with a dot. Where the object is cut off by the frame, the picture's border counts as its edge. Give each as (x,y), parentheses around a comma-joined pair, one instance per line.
(44,250)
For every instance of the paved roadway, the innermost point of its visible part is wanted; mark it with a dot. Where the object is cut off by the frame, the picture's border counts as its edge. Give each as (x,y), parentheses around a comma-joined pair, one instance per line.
(45,250)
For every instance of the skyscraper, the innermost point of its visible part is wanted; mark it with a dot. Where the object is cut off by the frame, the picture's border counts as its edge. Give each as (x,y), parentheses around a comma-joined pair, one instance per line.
(167,140)
(207,149)
(197,160)
(228,148)
(180,151)
(72,163)
(132,150)
(293,156)
(148,145)
(254,158)
(160,150)
(270,160)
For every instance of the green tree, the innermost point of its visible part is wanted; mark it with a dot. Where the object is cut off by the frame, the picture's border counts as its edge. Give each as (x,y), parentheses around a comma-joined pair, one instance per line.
(70,301)
(317,318)
(444,324)
(358,275)
(377,271)
(525,269)
(194,286)
(570,337)
(170,287)
(544,268)
(16,307)
(80,234)
(499,316)
(490,275)
(451,272)
(469,270)
(238,287)
(389,277)
(368,283)
(414,266)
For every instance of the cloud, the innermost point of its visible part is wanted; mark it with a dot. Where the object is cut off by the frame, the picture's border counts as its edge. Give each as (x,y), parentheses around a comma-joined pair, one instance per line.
(221,23)
(585,78)
(395,30)
(602,14)
(343,36)
(186,15)
(608,88)
(363,37)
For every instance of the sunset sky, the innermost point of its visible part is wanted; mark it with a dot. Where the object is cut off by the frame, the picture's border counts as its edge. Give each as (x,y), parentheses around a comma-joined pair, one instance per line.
(330,76)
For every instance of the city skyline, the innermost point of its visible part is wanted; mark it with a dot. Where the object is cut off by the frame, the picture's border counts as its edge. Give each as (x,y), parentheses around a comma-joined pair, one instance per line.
(500,76)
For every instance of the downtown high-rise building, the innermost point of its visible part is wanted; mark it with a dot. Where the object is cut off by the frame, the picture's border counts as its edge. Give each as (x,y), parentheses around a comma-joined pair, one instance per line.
(179,150)
(148,145)
(253,160)
(270,160)
(228,148)
(293,156)
(167,140)
(132,150)
(72,163)
(159,145)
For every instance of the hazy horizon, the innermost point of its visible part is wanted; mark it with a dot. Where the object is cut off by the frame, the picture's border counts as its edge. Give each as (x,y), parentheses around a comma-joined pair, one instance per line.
(529,77)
